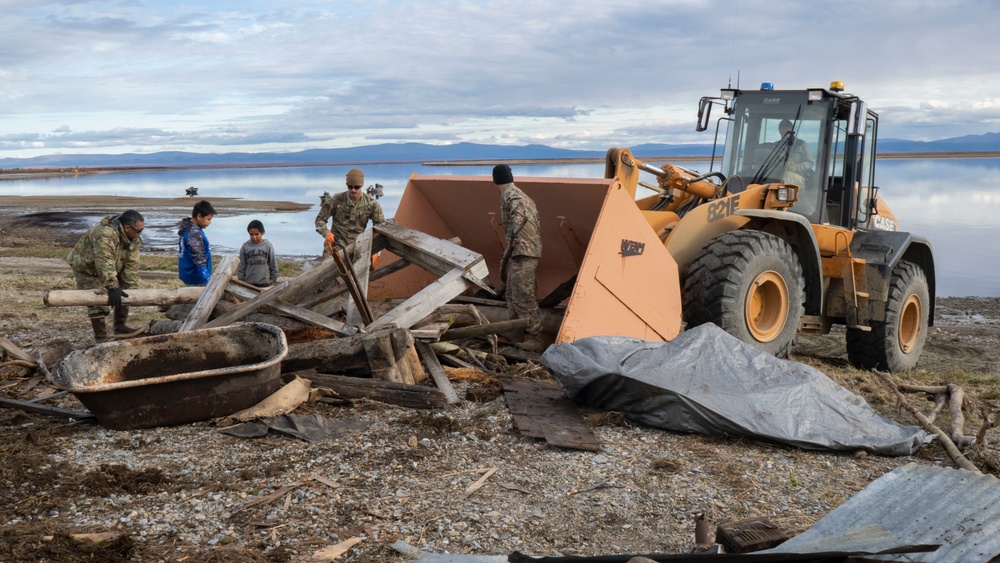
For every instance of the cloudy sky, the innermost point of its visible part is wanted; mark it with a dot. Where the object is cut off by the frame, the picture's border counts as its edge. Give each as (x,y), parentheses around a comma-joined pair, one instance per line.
(221,76)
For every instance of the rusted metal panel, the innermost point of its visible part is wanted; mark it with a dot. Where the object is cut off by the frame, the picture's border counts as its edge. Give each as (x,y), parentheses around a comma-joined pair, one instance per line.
(541,410)
(175,378)
(919,505)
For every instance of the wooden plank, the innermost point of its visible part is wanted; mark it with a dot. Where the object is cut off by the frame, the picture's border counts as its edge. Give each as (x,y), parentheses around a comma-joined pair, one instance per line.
(43,409)
(211,293)
(437,372)
(352,286)
(435,255)
(136,297)
(249,306)
(423,302)
(304,285)
(360,265)
(431,331)
(343,355)
(392,357)
(476,331)
(296,312)
(541,410)
(413,396)
(16,351)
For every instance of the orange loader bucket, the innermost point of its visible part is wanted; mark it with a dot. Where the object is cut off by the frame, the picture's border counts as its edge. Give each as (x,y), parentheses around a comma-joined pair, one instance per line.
(626,283)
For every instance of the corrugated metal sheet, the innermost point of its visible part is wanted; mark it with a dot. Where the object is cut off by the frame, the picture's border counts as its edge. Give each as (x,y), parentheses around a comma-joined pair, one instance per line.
(915,504)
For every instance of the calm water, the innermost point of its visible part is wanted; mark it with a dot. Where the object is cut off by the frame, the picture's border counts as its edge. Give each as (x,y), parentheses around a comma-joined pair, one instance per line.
(952,202)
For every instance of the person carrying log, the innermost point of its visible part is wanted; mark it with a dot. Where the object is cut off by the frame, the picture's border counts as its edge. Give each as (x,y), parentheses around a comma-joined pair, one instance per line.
(107,257)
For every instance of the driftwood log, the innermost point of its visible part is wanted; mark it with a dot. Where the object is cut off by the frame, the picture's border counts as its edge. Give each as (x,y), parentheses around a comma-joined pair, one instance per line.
(136,297)
(946,442)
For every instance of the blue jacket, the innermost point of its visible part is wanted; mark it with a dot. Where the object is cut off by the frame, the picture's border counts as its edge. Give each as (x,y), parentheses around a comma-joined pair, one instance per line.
(194,256)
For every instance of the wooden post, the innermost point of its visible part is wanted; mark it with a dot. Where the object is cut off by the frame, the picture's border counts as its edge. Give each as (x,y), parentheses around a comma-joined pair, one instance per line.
(437,372)
(392,357)
(360,266)
(296,312)
(212,293)
(249,306)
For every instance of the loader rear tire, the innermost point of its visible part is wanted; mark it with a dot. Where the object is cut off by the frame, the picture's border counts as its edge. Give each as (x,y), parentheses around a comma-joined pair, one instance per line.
(750,284)
(895,344)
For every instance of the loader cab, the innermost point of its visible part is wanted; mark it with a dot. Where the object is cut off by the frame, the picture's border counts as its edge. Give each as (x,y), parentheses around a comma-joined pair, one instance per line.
(819,139)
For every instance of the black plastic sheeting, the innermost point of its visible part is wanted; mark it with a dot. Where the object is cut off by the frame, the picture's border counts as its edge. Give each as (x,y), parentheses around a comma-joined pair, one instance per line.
(707,382)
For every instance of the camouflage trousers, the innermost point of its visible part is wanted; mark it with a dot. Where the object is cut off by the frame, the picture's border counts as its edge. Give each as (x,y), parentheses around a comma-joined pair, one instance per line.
(521,300)
(84,281)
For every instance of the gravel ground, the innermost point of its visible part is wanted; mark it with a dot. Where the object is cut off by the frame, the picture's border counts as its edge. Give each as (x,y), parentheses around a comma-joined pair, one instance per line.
(192,493)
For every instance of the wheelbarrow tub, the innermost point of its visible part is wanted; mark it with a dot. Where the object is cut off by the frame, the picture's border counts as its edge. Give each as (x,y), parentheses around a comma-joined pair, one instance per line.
(175,378)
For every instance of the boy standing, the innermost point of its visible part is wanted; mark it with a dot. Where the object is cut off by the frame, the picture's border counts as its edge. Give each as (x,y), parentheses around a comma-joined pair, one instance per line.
(194,257)
(258,264)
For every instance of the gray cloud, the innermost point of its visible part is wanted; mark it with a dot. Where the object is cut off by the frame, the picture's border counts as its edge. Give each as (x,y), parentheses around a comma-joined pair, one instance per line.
(586,74)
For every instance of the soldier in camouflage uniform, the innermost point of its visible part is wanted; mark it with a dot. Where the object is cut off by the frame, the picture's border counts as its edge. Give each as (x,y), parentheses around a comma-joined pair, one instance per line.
(523,231)
(349,213)
(107,257)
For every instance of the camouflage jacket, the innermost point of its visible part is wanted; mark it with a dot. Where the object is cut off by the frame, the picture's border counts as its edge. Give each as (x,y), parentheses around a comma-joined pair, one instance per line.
(517,209)
(105,252)
(349,219)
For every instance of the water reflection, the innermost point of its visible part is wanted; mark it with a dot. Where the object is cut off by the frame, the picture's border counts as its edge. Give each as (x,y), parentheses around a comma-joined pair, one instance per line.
(951,202)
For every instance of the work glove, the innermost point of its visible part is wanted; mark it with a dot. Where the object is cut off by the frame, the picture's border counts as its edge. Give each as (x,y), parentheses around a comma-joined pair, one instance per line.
(115,295)
(329,238)
(375,260)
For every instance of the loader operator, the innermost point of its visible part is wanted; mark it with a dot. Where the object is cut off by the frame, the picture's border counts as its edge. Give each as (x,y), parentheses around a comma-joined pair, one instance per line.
(107,257)
(799,162)
(520,260)
(349,212)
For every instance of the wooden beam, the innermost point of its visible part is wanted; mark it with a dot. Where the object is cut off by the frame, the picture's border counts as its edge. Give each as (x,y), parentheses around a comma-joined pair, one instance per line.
(412,396)
(435,255)
(360,266)
(136,297)
(476,331)
(342,355)
(249,306)
(211,293)
(296,312)
(392,357)
(437,372)
(424,302)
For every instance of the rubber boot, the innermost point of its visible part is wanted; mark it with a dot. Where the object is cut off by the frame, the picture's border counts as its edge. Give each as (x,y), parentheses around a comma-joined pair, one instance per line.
(122,330)
(100,329)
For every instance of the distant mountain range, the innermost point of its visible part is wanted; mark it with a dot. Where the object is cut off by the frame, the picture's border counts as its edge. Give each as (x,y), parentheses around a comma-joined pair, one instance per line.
(421,152)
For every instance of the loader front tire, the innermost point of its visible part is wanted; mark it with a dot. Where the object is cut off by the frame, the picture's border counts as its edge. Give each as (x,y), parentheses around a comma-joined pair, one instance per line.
(750,284)
(895,344)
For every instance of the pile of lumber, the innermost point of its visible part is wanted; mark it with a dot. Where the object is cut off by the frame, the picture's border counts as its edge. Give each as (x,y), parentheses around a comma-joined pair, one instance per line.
(388,347)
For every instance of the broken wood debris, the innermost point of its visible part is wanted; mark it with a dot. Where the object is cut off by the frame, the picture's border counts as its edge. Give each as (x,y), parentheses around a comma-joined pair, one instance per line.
(946,441)
(380,342)
(411,396)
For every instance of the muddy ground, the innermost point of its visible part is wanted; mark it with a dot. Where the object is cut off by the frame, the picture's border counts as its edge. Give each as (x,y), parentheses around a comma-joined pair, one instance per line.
(38,481)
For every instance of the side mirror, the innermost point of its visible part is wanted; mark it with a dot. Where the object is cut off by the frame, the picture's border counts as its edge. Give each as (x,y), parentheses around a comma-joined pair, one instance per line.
(704,113)
(856,119)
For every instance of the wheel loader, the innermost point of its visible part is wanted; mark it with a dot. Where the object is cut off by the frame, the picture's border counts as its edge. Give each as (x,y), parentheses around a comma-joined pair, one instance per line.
(785,234)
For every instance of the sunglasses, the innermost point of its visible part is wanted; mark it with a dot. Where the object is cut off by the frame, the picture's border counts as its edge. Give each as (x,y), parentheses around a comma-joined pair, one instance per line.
(135,230)
(354,187)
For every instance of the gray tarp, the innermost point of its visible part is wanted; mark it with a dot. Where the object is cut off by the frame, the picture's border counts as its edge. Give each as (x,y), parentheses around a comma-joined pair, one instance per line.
(707,382)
